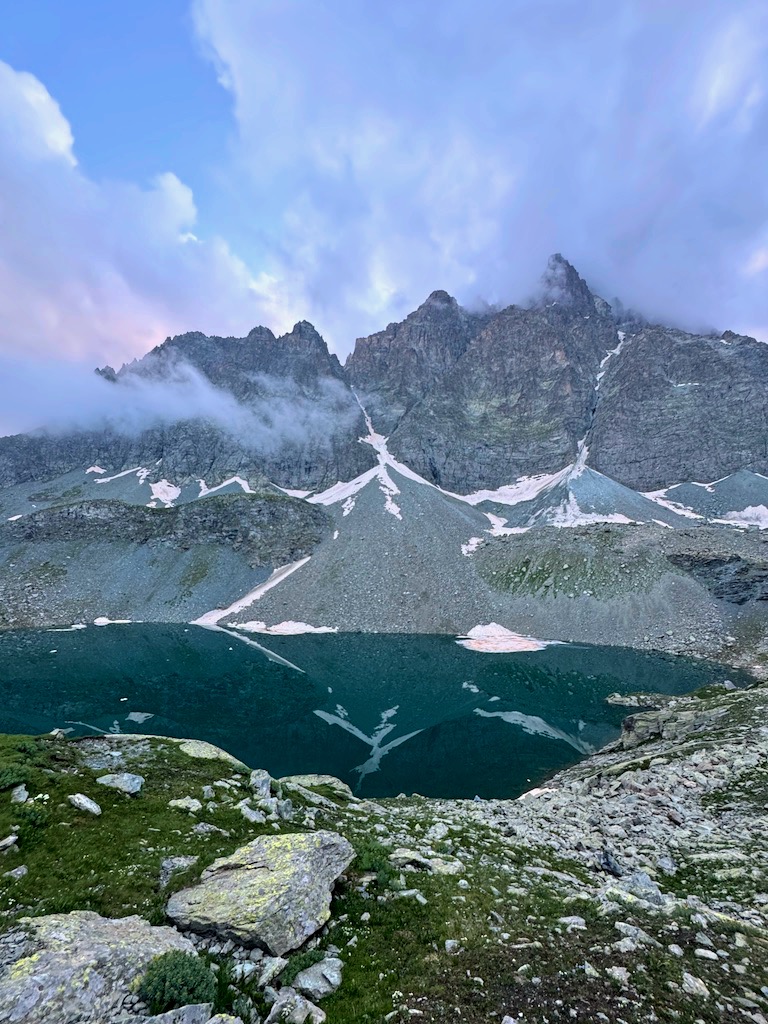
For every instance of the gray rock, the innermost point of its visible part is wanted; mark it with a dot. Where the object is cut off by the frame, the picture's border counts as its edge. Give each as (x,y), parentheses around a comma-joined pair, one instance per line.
(17,873)
(126,782)
(8,842)
(186,803)
(19,794)
(77,967)
(172,865)
(251,814)
(319,980)
(225,1018)
(261,783)
(274,893)
(194,1013)
(694,986)
(340,789)
(84,803)
(271,967)
(290,1007)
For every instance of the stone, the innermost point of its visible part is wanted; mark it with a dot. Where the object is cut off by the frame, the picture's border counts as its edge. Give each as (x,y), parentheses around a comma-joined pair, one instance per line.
(271,967)
(452,946)
(78,966)
(608,863)
(275,892)
(193,1013)
(19,794)
(250,814)
(619,974)
(340,789)
(208,752)
(172,865)
(694,986)
(186,803)
(126,782)
(225,1018)
(319,980)
(290,1007)
(573,923)
(261,784)
(81,802)
(8,842)
(17,873)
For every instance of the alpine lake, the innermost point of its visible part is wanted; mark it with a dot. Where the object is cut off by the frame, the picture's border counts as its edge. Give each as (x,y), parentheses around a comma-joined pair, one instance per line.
(387,713)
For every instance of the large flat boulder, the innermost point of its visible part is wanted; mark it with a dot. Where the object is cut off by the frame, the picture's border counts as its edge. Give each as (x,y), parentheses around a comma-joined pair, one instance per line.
(273,893)
(76,968)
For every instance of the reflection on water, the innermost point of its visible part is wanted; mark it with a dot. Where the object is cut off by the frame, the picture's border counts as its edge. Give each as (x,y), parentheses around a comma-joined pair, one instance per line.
(386,713)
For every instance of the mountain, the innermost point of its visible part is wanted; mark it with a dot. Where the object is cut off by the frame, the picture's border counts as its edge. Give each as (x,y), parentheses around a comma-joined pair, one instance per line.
(541,467)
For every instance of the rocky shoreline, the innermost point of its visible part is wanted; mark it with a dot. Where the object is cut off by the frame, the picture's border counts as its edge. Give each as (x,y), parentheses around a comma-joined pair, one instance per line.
(632,887)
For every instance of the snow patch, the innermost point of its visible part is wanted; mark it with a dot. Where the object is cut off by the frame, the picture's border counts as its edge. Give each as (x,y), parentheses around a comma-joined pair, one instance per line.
(204,490)
(525,489)
(471,546)
(568,513)
(499,527)
(292,493)
(288,628)
(212,618)
(495,639)
(104,621)
(166,492)
(67,629)
(12,519)
(95,469)
(753,515)
(140,472)
(673,506)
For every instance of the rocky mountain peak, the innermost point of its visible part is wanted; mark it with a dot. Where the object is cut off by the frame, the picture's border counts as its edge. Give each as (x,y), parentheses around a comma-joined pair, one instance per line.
(439,299)
(562,285)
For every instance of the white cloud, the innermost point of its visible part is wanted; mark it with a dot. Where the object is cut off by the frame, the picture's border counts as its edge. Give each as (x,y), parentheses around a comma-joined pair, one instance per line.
(99,270)
(415,145)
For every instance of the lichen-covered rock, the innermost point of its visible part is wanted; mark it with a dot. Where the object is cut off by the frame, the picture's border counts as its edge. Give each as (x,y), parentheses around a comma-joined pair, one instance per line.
(81,802)
(273,893)
(76,968)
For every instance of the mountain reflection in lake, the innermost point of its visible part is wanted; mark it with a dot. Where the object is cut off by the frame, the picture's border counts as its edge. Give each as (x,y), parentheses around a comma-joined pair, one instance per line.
(386,713)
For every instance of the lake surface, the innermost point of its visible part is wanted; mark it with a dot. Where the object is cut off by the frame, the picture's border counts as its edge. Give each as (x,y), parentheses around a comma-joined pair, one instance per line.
(386,713)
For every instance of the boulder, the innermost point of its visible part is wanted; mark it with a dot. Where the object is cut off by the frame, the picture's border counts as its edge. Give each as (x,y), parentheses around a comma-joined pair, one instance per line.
(290,1007)
(274,893)
(76,967)
(126,782)
(319,980)
(84,803)
(339,788)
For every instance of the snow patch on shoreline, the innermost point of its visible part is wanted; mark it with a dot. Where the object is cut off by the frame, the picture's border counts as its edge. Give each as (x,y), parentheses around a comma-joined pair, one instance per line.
(212,617)
(495,639)
(287,628)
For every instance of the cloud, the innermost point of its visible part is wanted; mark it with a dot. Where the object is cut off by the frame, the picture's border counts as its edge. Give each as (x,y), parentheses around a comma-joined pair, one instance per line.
(99,269)
(414,145)
(63,398)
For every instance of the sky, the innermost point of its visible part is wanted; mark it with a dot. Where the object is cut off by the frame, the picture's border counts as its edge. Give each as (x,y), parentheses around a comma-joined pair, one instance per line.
(216,164)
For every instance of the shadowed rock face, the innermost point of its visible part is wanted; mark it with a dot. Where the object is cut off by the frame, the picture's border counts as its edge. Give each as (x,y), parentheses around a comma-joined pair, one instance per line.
(469,400)
(677,407)
(311,419)
(396,368)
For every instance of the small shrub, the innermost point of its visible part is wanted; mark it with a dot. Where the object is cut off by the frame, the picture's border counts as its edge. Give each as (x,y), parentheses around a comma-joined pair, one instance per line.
(12,775)
(32,815)
(175,979)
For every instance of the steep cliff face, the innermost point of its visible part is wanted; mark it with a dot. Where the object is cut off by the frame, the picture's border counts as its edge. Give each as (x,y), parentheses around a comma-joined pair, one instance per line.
(396,368)
(675,407)
(296,421)
(477,401)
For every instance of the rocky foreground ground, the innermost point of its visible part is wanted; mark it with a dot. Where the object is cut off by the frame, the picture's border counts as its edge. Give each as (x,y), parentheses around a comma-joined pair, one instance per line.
(632,887)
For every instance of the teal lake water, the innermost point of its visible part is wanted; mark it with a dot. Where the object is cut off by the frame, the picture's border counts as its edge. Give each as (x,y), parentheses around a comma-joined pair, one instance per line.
(386,713)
